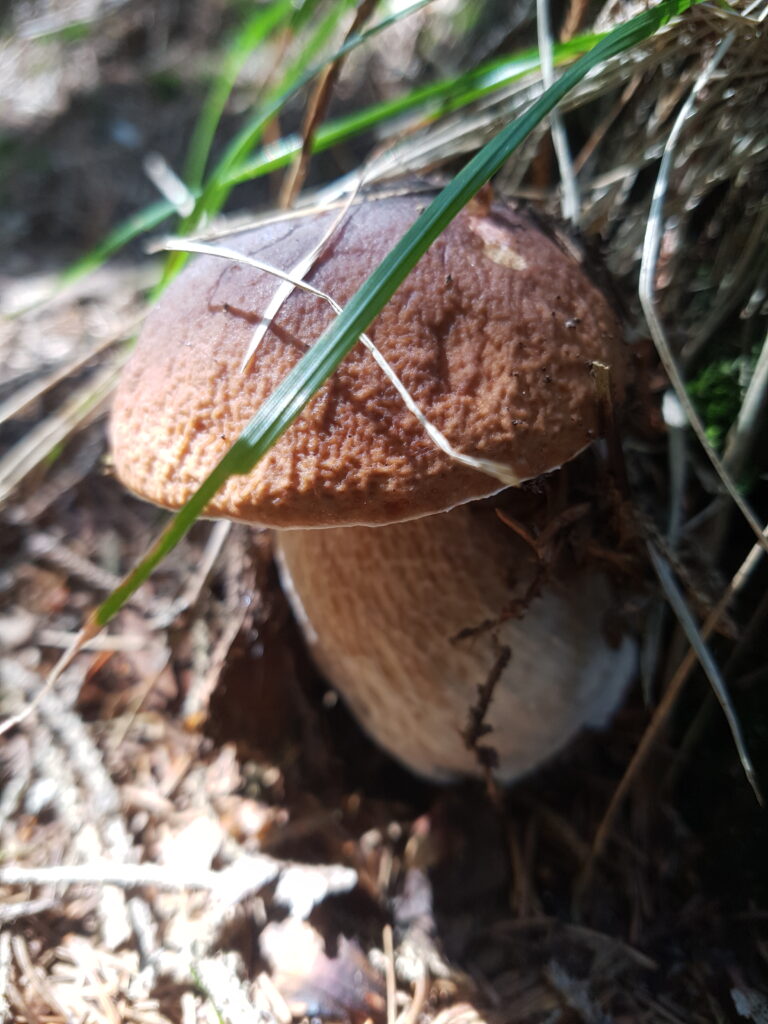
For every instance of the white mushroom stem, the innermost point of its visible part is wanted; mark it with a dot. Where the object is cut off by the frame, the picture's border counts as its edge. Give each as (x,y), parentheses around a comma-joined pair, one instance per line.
(408,621)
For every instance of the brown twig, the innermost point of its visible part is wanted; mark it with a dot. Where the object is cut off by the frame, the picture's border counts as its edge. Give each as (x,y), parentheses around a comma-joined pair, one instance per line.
(660,716)
(574,19)
(316,108)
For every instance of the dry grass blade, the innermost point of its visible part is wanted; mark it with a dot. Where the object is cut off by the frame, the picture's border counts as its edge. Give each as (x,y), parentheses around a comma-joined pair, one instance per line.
(316,109)
(23,397)
(571,201)
(283,290)
(648,271)
(38,444)
(662,712)
(106,642)
(742,435)
(709,665)
(169,184)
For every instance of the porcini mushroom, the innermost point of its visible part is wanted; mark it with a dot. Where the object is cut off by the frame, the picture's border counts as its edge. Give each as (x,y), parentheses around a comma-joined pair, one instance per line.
(410,598)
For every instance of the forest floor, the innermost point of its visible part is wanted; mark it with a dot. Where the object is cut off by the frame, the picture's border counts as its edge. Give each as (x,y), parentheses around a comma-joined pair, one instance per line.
(192,827)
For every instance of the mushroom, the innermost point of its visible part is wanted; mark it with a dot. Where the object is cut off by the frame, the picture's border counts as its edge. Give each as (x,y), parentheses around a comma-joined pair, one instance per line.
(435,618)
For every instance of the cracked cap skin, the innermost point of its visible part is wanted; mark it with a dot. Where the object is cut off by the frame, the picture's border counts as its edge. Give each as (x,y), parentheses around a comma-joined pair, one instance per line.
(493,333)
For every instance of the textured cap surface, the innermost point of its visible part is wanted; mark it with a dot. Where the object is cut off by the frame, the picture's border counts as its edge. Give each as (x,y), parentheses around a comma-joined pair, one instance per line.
(493,333)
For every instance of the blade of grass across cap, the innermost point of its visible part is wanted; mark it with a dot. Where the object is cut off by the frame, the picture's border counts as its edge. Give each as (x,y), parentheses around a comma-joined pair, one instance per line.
(289,398)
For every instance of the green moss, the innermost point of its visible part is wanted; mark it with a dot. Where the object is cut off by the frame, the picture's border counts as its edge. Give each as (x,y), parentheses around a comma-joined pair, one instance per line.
(718,391)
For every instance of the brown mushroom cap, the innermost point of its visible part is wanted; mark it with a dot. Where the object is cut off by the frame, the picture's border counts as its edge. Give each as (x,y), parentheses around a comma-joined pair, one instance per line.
(493,333)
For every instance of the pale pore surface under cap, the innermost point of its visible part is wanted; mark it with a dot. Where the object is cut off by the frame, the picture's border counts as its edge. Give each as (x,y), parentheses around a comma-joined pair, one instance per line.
(493,333)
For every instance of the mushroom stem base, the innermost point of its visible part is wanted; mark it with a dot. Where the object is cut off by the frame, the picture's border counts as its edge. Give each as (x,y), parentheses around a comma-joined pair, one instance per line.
(419,623)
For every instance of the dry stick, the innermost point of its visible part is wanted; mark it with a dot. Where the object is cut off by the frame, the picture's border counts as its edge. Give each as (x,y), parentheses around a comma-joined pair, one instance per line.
(389,971)
(198,696)
(194,587)
(574,19)
(137,701)
(316,108)
(664,708)
(571,201)
(411,1013)
(243,877)
(651,248)
(256,871)
(5,974)
(602,128)
(678,603)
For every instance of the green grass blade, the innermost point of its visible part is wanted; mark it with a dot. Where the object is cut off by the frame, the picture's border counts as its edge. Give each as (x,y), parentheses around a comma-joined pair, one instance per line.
(434,100)
(256,29)
(214,194)
(137,224)
(217,188)
(295,77)
(287,401)
(444,96)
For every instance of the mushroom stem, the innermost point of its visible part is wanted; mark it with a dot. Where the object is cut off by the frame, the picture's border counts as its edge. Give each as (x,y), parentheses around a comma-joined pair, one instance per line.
(417,624)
